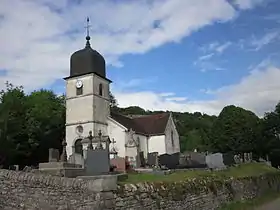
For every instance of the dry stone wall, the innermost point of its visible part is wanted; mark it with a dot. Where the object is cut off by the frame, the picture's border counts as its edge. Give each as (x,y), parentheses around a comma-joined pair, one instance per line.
(194,194)
(19,190)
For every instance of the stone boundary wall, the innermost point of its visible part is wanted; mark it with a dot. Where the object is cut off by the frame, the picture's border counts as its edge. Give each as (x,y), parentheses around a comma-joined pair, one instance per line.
(20,190)
(195,194)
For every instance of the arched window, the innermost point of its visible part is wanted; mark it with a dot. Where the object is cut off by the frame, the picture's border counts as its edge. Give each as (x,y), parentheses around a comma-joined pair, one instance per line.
(79,146)
(172,138)
(79,91)
(100,89)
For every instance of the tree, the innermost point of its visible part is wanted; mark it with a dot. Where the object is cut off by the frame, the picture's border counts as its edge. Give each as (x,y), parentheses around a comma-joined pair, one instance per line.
(45,120)
(14,148)
(235,129)
(29,125)
(113,101)
(271,136)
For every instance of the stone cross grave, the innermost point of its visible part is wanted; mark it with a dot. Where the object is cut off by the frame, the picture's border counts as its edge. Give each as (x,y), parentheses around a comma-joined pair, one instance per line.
(98,160)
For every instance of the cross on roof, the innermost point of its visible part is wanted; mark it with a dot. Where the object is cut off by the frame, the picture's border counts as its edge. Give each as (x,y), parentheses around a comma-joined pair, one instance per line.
(88,26)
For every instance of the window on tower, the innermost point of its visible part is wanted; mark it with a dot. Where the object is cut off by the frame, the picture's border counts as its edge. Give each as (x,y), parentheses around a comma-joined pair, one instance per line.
(79,91)
(100,89)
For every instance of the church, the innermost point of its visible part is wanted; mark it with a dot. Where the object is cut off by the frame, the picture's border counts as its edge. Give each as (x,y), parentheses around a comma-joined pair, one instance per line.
(88,110)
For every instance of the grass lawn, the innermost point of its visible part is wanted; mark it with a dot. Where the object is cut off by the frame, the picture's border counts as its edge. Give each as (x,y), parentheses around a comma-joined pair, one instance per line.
(250,169)
(251,204)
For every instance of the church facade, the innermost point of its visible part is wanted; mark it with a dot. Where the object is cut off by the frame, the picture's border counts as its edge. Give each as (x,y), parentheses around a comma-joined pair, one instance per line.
(146,134)
(88,109)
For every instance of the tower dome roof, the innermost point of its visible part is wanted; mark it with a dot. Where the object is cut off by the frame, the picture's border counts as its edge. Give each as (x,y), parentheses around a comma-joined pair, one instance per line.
(86,61)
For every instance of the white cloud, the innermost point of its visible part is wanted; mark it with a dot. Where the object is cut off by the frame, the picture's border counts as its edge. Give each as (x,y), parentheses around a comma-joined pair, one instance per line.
(135,82)
(204,63)
(216,47)
(176,99)
(258,91)
(223,47)
(206,57)
(264,40)
(247,4)
(38,37)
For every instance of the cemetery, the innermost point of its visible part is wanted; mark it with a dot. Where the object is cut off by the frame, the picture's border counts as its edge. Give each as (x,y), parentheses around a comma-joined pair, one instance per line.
(111,161)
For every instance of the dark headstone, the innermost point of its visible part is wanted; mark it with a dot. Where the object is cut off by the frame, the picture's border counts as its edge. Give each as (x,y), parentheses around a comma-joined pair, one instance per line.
(228,159)
(193,160)
(53,155)
(169,161)
(97,162)
(153,159)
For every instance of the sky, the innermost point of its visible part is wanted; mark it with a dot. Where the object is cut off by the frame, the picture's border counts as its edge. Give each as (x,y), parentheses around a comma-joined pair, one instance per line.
(176,55)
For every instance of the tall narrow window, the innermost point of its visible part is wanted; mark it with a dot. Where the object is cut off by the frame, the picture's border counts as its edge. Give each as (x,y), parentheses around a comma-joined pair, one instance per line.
(172,138)
(79,91)
(100,89)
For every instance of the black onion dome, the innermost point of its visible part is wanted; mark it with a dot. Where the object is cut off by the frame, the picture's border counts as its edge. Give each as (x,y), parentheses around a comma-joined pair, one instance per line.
(87,61)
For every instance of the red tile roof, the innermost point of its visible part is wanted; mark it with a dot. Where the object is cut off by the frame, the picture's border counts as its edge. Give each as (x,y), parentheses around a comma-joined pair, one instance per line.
(146,124)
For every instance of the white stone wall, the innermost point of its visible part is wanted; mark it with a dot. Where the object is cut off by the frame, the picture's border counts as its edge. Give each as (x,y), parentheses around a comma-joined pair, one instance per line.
(143,143)
(89,110)
(117,132)
(157,144)
(170,149)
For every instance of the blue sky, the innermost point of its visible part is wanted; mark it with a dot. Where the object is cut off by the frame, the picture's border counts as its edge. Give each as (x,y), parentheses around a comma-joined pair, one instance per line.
(196,55)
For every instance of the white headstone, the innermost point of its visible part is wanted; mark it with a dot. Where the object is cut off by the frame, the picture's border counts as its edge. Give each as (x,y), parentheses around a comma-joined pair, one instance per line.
(215,161)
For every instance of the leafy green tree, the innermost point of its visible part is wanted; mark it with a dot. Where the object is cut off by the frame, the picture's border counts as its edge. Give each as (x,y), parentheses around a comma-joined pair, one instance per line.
(113,101)
(45,120)
(29,125)
(270,144)
(12,125)
(235,129)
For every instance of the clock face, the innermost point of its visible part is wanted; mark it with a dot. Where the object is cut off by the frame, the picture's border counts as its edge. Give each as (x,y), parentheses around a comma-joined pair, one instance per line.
(79,84)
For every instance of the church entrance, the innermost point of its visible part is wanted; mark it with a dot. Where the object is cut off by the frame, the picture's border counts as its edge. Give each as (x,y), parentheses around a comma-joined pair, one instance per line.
(79,147)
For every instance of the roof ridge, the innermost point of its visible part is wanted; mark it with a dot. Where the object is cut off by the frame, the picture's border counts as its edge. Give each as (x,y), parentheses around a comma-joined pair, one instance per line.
(152,115)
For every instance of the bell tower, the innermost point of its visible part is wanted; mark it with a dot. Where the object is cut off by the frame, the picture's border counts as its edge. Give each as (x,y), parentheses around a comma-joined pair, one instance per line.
(87,97)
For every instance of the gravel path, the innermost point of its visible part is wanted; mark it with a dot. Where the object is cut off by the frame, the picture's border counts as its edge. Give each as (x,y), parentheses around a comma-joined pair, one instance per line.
(273,205)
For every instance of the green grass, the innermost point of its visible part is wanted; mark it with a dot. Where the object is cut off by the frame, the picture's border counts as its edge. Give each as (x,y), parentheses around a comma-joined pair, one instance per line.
(251,204)
(244,170)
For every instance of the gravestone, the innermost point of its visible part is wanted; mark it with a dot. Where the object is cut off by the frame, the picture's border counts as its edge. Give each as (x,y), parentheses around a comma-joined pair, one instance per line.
(97,161)
(76,158)
(153,159)
(228,159)
(251,156)
(192,160)
(236,159)
(119,163)
(215,161)
(169,161)
(53,155)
